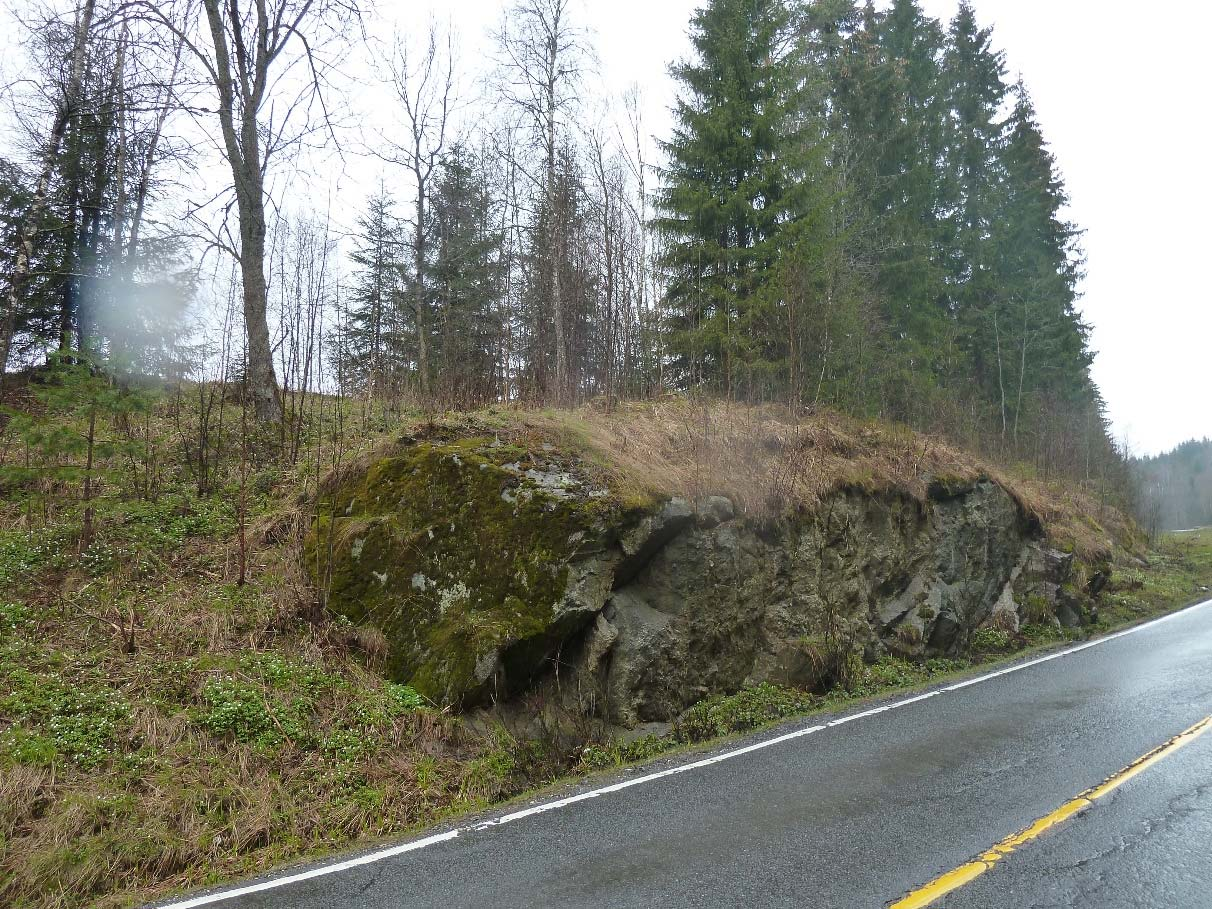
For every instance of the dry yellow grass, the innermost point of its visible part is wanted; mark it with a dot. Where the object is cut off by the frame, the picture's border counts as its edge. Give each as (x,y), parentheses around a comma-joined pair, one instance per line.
(769,463)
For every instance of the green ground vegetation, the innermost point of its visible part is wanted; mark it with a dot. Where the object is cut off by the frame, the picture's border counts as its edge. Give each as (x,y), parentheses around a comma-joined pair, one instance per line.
(1178,570)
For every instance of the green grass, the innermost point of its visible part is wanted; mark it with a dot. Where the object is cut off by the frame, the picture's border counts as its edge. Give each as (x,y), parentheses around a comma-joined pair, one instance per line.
(1178,571)
(162,726)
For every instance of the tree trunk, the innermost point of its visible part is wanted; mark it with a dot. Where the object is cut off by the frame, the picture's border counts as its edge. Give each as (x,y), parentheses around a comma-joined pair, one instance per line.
(826,347)
(74,240)
(90,231)
(1001,384)
(244,156)
(1022,372)
(554,252)
(262,380)
(418,293)
(608,243)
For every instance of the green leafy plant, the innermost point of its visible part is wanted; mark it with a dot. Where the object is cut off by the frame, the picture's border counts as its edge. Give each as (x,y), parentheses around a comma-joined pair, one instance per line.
(23,746)
(747,709)
(14,618)
(1041,633)
(404,698)
(80,722)
(992,640)
(347,746)
(602,757)
(241,711)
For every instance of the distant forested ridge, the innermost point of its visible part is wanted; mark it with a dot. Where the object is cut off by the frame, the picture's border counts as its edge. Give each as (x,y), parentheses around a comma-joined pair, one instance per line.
(856,208)
(1176,487)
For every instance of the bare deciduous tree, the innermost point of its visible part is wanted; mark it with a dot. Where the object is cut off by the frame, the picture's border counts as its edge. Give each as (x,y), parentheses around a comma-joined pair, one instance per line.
(253,52)
(543,56)
(425,89)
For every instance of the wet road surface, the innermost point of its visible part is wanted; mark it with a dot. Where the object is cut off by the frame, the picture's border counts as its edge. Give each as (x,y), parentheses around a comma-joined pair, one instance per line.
(1150,845)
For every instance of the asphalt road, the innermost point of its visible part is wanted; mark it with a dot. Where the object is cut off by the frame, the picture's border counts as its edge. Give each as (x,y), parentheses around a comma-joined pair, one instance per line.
(858,814)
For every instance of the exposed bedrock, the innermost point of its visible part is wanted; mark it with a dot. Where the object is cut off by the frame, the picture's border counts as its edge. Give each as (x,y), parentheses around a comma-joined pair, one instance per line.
(490,570)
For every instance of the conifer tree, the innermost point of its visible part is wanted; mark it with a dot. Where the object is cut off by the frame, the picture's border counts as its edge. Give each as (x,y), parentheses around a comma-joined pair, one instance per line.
(32,322)
(68,438)
(901,109)
(464,279)
(726,187)
(975,93)
(821,249)
(374,354)
(1038,267)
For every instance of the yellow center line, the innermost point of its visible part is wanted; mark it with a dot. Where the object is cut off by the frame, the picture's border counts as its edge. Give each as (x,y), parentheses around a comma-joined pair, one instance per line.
(966,873)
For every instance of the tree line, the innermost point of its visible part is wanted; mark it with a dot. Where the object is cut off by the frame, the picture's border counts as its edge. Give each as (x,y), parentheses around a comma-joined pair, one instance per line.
(856,209)
(863,212)
(1176,487)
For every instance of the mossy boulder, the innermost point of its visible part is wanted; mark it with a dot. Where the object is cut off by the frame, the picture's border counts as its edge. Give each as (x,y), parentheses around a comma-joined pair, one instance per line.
(493,568)
(460,553)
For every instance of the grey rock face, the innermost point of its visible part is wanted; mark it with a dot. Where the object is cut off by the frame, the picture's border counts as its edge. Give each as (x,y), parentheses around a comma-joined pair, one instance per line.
(642,542)
(726,604)
(652,612)
(716,510)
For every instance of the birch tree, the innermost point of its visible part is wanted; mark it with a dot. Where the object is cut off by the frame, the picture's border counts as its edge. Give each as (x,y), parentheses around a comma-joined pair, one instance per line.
(543,56)
(266,64)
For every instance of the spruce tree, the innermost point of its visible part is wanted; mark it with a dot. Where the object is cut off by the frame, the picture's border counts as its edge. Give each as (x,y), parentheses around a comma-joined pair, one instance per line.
(975,93)
(1045,348)
(33,323)
(561,272)
(823,291)
(464,278)
(68,437)
(901,108)
(725,197)
(374,349)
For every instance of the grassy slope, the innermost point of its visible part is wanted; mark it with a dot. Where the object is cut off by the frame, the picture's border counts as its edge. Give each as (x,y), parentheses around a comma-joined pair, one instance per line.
(768,463)
(243,729)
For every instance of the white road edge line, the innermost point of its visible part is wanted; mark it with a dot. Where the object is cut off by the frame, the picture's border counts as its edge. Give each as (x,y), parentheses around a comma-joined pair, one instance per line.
(372,857)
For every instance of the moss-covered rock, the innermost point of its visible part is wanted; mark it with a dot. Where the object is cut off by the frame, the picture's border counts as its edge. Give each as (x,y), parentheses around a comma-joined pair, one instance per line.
(490,568)
(459,552)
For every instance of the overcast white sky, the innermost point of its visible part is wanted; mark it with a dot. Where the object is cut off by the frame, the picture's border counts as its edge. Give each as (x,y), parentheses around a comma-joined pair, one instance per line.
(1122,96)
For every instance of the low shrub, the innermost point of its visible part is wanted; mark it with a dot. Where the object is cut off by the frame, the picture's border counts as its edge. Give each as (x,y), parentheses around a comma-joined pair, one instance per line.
(749,708)
(616,754)
(992,640)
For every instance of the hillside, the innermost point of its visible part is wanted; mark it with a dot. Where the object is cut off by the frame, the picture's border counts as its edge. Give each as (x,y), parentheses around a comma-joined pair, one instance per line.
(587,404)
(163,724)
